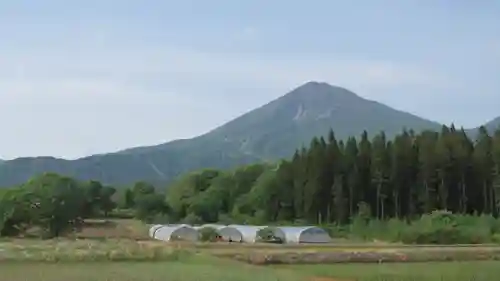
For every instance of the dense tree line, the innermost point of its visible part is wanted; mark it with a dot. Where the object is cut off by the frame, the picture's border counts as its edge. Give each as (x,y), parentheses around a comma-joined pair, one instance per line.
(50,205)
(331,181)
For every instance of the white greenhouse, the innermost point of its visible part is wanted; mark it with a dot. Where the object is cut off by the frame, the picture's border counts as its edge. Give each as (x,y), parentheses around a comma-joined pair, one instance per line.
(214,226)
(240,233)
(209,225)
(153,229)
(301,234)
(179,232)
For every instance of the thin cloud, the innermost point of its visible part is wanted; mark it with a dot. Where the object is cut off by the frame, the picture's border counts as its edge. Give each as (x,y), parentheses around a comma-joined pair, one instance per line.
(248,34)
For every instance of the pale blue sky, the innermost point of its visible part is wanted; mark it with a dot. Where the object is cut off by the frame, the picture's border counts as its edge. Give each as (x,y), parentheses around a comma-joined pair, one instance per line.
(84,77)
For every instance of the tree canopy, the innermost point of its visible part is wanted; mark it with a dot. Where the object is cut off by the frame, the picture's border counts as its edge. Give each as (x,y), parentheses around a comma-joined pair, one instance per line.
(327,182)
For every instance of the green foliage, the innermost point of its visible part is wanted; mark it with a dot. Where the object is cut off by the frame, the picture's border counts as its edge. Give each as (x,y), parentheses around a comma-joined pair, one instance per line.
(208,234)
(266,235)
(148,206)
(98,199)
(57,203)
(438,227)
(51,205)
(15,211)
(192,219)
(446,228)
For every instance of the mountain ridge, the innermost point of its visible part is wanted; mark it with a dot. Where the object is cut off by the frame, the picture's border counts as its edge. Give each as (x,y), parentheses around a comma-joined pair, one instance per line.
(271,131)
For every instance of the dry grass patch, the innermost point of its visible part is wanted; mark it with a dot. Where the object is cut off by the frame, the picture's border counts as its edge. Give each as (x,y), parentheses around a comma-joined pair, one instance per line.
(117,229)
(87,250)
(355,255)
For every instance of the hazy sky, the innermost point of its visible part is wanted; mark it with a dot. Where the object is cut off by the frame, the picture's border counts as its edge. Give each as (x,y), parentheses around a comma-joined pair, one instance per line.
(84,77)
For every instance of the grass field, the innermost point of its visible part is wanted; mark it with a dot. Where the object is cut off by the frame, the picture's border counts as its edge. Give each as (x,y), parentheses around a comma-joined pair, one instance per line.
(93,254)
(195,268)
(209,269)
(437,271)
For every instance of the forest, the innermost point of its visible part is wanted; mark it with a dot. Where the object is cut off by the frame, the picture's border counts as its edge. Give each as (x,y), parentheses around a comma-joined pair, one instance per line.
(423,183)
(331,181)
(432,187)
(52,205)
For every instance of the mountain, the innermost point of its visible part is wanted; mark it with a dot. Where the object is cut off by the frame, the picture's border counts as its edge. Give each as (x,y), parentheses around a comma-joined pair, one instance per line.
(279,127)
(270,132)
(491,127)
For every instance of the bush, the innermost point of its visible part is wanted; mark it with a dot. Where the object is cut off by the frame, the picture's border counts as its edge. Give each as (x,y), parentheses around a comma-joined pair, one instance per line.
(208,234)
(266,235)
(160,219)
(441,227)
(438,227)
(192,219)
(225,219)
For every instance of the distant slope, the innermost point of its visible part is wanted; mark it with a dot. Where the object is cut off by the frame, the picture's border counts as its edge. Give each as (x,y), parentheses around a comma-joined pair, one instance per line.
(267,133)
(491,127)
(156,166)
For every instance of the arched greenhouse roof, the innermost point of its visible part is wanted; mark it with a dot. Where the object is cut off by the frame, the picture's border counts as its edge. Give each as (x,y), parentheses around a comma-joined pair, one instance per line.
(214,226)
(247,232)
(153,229)
(176,232)
(301,234)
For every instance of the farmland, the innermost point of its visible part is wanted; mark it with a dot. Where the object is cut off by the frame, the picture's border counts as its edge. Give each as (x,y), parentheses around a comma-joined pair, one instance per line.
(119,250)
(179,265)
(217,270)
(190,269)
(449,271)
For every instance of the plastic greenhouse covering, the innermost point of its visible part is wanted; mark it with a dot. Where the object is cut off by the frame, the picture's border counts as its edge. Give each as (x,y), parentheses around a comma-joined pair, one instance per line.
(176,233)
(240,233)
(301,234)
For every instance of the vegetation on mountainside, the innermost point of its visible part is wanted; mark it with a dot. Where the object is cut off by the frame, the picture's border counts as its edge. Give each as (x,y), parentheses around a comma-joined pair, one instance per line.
(270,132)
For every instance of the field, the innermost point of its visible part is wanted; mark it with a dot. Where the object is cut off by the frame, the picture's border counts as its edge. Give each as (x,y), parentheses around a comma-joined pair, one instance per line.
(435,271)
(209,269)
(120,250)
(187,270)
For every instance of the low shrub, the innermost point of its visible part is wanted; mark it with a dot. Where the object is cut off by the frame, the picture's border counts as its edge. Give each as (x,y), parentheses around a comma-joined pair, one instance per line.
(208,234)
(266,235)
(438,227)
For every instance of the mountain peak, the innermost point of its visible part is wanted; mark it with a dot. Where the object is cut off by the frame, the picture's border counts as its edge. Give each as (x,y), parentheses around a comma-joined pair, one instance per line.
(315,89)
(315,84)
(270,132)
